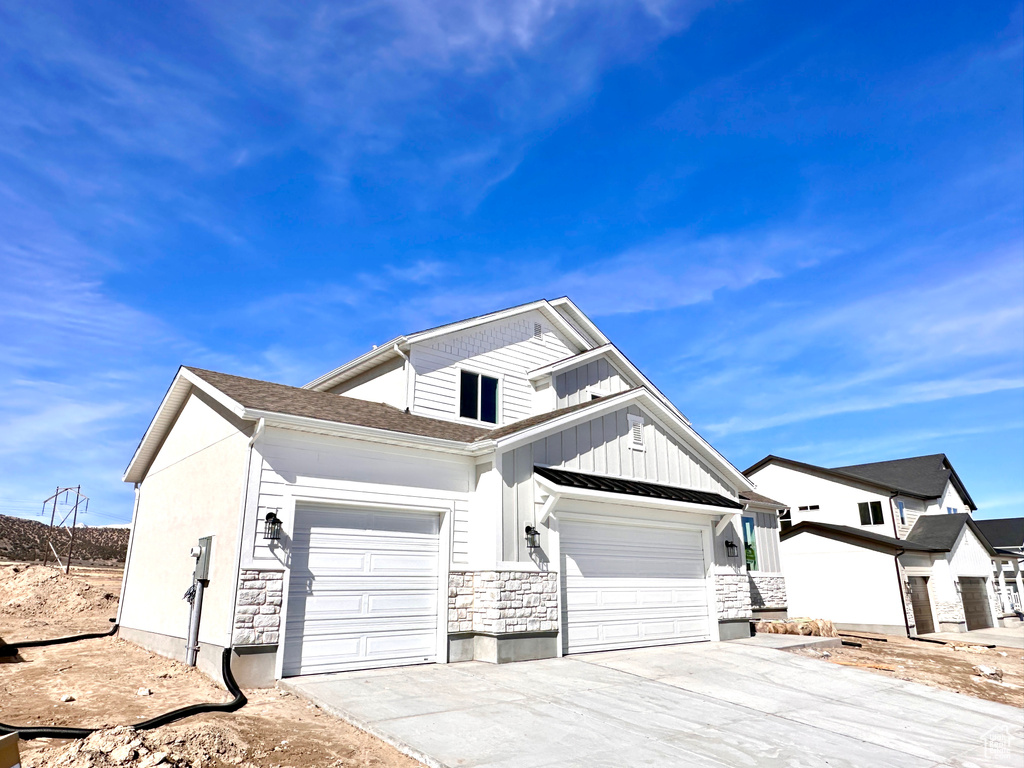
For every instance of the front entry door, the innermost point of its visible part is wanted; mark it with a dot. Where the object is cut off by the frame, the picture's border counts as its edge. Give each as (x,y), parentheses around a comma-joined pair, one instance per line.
(921,605)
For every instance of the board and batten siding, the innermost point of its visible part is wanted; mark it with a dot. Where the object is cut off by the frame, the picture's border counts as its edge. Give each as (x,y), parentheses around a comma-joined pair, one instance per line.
(969,557)
(505,349)
(571,386)
(339,472)
(599,446)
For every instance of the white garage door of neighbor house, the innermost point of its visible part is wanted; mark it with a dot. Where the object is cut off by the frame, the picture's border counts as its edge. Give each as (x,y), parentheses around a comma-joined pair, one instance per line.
(363,591)
(632,586)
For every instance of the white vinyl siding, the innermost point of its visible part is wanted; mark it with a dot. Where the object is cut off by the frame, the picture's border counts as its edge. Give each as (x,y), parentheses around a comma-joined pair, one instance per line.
(576,385)
(599,446)
(363,591)
(632,586)
(506,350)
(287,464)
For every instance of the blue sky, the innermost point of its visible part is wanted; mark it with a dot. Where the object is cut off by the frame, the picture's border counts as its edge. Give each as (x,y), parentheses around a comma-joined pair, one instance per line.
(803,221)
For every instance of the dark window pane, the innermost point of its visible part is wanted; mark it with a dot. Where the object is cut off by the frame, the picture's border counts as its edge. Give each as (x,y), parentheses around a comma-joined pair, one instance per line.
(467,395)
(876,512)
(785,519)
(750,543)
(488,399)
(865,514)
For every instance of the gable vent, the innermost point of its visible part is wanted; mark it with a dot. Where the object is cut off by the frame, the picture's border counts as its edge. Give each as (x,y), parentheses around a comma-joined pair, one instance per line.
(538,332)
(636,431)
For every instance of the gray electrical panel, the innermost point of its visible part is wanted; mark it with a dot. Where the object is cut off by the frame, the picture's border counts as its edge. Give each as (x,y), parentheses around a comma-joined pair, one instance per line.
(203,563)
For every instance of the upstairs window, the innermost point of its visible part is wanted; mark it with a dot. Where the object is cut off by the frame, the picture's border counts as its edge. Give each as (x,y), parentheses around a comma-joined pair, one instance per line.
(785,519)
(950,510)
(870,512)
(903,516)
(478,397)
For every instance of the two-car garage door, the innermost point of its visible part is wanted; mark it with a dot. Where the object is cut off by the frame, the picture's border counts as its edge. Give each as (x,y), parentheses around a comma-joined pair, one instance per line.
(363,590)
(630,586)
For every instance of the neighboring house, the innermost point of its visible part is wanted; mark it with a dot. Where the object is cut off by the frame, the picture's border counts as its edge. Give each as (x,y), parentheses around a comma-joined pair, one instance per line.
(1006,535)
(503,488)
(887,547)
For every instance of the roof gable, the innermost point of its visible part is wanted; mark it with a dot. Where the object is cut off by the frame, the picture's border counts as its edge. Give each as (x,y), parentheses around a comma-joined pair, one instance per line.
(397,347)
(943,531)
(920,477)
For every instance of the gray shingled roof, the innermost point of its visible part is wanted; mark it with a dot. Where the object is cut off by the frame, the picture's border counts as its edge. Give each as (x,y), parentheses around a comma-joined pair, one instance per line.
(923,475)
(855,535)
(1006,532)
(942,531)
(296,401)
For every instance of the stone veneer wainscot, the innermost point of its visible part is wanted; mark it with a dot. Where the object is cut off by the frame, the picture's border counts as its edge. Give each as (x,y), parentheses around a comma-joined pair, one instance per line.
(501,602)
(258,612)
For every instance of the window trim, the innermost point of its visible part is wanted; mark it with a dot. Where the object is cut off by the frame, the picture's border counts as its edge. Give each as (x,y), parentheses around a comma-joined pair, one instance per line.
(869,508)
(785,519)
(479,377)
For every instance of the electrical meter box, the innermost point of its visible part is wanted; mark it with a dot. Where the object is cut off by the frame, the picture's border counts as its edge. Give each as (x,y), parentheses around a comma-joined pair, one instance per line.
(203,562)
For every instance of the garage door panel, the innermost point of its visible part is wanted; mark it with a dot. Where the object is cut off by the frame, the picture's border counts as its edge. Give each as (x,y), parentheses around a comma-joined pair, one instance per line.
(630,586)
(360,596)
(974,593)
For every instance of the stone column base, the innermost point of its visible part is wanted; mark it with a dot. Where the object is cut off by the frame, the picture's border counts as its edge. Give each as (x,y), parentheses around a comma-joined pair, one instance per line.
(502,648)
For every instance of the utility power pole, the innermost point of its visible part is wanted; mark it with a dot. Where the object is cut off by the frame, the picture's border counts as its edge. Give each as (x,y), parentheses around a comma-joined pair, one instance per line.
(81,503)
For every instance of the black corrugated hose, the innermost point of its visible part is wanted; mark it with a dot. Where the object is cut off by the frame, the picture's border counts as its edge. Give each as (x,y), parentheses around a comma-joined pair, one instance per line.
(53,732)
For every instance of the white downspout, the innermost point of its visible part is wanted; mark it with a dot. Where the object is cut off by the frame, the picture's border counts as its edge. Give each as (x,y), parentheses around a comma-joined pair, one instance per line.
(407,367)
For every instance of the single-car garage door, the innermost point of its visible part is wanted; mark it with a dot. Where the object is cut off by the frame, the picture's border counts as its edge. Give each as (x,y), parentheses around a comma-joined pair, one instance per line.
(974,593)
(632,586)
(363,590)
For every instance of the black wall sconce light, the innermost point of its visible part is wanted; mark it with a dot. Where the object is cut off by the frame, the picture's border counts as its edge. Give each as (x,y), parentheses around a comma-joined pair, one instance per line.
(272,527)
(731,550)
(532,538)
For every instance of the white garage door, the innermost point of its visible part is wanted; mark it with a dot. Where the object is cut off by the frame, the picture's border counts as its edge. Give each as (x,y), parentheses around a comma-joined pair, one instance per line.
(363,591)
(627,587)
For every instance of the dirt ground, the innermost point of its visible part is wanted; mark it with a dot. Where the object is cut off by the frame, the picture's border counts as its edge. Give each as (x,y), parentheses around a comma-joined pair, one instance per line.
(950,667)
(104,677)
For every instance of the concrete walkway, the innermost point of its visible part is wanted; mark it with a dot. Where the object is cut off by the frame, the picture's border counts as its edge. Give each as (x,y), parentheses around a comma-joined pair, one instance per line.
(1007,637)
(708,704)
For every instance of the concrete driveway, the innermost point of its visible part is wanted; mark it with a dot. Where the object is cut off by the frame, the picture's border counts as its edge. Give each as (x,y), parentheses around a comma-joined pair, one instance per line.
(1007,637)
(708,704)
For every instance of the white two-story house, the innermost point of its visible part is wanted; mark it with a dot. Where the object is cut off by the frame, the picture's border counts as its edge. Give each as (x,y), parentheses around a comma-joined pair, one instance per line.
(503,488)
(889,546)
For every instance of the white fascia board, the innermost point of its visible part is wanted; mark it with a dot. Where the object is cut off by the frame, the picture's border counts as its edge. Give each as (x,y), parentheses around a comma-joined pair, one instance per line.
(667,418)
(628,500)
(365,361)
(565,305)
(617,359)
(367,434)
(182,384)
(541,306)
(760,506)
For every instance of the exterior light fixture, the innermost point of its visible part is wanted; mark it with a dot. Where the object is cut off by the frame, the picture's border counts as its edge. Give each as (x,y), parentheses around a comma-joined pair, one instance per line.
(532,537)
(731,550)
(272,527)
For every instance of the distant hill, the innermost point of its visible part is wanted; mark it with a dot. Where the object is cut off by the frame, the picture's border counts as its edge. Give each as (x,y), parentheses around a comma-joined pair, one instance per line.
(27,541)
